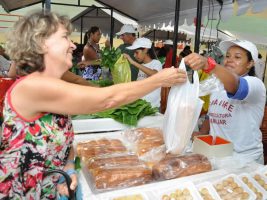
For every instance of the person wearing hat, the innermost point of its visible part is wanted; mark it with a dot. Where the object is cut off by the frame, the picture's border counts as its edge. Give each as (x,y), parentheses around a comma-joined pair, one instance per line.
(144,53)
(235,113)
(168,45)
(127,34)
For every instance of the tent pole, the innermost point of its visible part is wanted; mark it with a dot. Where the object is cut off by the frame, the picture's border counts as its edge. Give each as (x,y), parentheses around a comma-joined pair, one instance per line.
(176,25)
(47,5)
(81,39)
(198,25)
(112,27)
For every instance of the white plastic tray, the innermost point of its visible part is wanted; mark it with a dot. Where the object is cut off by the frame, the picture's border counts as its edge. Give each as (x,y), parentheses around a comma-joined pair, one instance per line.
(228,188)
(209,189)
(252,182)
(108,124)
(186,190)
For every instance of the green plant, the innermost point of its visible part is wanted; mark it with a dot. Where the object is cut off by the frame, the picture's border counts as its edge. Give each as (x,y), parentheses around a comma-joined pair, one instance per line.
(109,57)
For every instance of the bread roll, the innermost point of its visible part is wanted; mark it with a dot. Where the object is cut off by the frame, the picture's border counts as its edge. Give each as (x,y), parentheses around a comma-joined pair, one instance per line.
(174,166)
(92,148)
(148,139)
(113,160)
(120,177)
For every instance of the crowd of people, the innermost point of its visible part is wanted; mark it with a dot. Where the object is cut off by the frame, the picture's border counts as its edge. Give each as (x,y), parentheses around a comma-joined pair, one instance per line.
(37,133)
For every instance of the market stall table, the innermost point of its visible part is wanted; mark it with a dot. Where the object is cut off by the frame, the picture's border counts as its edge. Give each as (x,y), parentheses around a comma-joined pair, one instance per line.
(151,189)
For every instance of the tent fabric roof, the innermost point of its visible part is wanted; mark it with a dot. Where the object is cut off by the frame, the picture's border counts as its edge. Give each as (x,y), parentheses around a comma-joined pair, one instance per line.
(157,13)
(94,16)
(10,5)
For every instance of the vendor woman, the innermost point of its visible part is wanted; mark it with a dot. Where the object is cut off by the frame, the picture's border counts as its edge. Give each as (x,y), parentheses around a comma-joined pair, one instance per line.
(235,113)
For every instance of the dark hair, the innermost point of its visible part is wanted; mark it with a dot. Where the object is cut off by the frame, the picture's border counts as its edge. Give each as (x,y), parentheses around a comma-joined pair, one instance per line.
(92,30)
(151,52)
(252,69)
(259,56)
(162,52)
(187,48)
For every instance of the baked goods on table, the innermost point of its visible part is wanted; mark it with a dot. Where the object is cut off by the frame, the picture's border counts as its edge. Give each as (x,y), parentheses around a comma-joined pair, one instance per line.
(130,197)
(121,176)
(110,165)
(112,160)
(147,143)
(230,188)
(174,166)
(91,148)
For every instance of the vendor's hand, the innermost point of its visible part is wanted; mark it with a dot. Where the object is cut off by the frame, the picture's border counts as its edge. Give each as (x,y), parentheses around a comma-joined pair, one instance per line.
(131,61)
(171,76)
(196,61)
(63,189)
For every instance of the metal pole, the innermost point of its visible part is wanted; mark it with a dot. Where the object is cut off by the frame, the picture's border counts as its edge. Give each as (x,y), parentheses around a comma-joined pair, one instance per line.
(111,27)
(81,39)
(198,25)
(177,10)
(47,5)
(154,35)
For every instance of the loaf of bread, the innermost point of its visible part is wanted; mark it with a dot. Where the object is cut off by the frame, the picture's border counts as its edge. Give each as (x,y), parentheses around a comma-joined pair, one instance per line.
(91,148)
(120,177)
(145,139)
(112,160)
(174,166)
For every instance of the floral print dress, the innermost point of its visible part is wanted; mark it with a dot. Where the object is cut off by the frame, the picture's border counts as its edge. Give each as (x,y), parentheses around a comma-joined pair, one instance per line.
(28,148)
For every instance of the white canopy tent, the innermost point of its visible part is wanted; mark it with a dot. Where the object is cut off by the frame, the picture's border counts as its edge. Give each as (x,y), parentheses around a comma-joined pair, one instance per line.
(153,14)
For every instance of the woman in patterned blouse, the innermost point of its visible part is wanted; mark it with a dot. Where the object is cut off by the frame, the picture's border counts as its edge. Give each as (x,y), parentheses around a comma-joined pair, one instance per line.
(37,131)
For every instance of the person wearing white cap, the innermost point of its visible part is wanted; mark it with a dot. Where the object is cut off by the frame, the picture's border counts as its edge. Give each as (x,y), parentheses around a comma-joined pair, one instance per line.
(236,112)
(168,46)
(145,54)
(128,36)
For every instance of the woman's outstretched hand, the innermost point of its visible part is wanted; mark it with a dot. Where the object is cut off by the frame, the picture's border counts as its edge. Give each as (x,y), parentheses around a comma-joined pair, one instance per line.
(171,76)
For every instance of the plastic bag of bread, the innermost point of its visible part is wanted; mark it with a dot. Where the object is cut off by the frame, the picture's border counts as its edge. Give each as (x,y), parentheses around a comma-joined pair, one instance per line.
(174,166)
(112,160)
(91,148)
(182,113)
(142,140)
(108,178)
(147,143)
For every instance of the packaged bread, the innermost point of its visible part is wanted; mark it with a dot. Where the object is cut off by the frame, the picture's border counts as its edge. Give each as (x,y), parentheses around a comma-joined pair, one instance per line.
(91,148)
(144,139)
(112,160)
(173,166)
(107,178)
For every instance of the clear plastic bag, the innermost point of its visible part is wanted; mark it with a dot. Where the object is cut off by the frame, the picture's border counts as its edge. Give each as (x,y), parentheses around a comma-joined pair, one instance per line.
(147,143)
(174,166)
(210,85)
(182,113)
